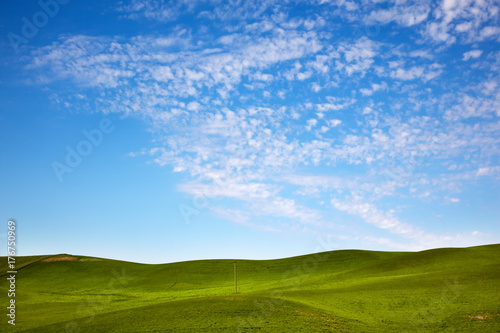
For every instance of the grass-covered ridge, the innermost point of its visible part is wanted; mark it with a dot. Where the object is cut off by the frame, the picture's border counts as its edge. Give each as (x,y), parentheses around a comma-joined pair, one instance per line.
(441,290)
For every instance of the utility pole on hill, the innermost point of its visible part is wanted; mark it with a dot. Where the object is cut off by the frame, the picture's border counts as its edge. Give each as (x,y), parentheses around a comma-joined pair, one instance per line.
(235,286)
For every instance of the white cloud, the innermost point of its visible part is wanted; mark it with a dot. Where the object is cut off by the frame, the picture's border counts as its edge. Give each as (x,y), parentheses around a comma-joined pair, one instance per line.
(329,107)
(334,122)
(417,72)
(374,88)
(468,106)
(241,217)
(472,54)
(193,106)
(262,77)
(370,214)
(452,200)
(229,189)
(358,57)
(160,10)
(386,220)
(402,13)
(347,5)
(488,32)
(202,94)
(410,74)
(463,27)
(334,104)
(488,171)
(101,64)
(288,208)
(311,123)
(462,19)
(316,87)
(421,54)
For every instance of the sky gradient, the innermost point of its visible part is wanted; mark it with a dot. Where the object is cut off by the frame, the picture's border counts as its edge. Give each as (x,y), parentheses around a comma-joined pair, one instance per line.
(160,131)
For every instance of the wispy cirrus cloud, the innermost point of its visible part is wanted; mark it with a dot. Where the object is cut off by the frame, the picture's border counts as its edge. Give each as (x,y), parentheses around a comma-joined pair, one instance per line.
(281,113)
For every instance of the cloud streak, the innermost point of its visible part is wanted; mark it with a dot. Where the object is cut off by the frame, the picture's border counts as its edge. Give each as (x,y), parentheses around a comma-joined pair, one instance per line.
(279,114)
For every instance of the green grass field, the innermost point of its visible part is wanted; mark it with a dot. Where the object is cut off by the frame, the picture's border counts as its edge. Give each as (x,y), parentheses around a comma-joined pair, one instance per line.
(442,290)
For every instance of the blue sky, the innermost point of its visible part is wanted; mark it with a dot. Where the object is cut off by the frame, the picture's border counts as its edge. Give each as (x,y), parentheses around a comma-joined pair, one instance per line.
(159,131)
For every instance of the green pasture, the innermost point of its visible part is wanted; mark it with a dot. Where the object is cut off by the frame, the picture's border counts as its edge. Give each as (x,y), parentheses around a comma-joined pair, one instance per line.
(441,290)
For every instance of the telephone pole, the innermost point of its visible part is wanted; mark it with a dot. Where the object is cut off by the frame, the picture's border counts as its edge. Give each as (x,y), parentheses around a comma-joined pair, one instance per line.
(235,285)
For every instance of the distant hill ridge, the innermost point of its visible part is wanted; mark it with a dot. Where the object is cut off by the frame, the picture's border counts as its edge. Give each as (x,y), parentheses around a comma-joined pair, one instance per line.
(448,289)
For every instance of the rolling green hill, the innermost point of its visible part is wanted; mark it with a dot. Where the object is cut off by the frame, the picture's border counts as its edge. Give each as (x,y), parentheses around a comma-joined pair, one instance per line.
(441,290)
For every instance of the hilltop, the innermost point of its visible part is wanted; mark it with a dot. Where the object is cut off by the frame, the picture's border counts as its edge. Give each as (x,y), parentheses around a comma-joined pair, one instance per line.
(449,290)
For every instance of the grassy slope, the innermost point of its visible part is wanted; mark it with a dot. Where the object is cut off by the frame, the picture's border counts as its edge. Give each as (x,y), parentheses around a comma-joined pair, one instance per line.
(342,291)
